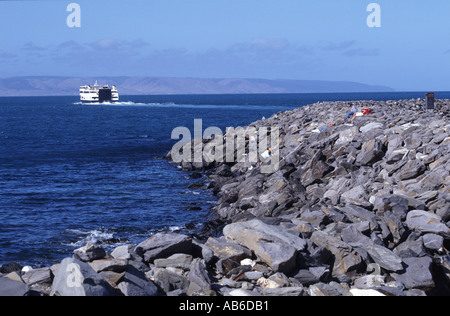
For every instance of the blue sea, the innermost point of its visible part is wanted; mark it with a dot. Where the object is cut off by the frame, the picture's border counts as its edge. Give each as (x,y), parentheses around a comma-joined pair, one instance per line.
(72,173)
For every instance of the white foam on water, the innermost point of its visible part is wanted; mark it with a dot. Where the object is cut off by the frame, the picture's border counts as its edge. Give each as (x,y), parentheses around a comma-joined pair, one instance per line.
(92,236)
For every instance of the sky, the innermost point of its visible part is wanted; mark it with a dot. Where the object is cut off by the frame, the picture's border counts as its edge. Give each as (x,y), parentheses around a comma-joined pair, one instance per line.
(270,39)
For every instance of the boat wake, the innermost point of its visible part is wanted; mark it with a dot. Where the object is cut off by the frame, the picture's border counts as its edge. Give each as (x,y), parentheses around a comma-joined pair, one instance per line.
(125,103)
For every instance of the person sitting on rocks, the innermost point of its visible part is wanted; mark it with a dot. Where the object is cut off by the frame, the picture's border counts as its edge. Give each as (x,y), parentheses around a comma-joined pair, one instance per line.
(351,113)
(362,113)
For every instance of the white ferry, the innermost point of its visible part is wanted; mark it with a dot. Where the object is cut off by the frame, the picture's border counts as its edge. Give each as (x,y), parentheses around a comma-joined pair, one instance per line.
(98,94)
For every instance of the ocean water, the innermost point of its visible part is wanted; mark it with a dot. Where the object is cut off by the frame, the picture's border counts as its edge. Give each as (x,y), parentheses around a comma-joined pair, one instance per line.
(73,173)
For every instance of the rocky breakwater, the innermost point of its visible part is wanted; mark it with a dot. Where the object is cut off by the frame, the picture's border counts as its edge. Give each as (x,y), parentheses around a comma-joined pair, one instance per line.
(354,207)
(367,198)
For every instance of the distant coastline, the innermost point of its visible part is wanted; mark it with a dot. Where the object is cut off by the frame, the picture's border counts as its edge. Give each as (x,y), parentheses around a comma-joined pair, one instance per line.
(67,86)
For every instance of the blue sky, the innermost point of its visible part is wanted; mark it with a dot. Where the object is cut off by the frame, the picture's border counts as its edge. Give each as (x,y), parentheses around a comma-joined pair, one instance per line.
(273,39)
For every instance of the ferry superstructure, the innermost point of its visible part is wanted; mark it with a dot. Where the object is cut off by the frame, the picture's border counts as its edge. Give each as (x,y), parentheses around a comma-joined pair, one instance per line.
(98,94)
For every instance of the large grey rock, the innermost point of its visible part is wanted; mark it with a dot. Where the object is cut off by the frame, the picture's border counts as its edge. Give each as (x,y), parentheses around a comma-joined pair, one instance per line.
(358,214)
(283,291)
(170,281)
(311,276)
(331,289)
(315,173)
(135,283)
(347,136)
(371,152)
(356,196)
(411,247)
(412,169)
(122,252)
(35,276)
(345,259)
(90,252)
(163,245)
(397,204)
(224,248)
(395,226)
(433,241)
(77,278)
(115,265)
(381,255)
(10,267)
(417,273)
(371,126)
(12,285)
(444,212)
(396,155)
(178,261)
(273,244)
(315,218)
(386,258)
(199,278)
(426,222)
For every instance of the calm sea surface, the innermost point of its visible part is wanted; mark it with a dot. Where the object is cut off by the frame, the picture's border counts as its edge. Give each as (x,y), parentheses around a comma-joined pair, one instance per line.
(73,173)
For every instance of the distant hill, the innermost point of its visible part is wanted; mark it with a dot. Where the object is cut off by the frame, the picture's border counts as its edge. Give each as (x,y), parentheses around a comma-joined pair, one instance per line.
(53,86)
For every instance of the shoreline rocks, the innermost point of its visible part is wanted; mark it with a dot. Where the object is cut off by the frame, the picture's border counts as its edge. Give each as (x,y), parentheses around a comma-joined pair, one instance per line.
(356,207)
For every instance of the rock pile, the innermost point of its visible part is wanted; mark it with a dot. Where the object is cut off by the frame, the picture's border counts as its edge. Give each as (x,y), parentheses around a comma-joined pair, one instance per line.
(370,193)
(357,207)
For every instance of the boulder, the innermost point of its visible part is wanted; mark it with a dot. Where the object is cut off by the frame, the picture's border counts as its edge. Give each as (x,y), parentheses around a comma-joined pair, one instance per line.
(35,276)
(170,281)
(395,226)
(76,278)
(135,283)
(311,276)
(411,247)
(345,259)
(417,273)
(433,241)
(315,173)
(414,141)
(115,265)
(331,289)
(122,252)
(397,204)
(396,155)
(358,214)
(356,196)
(273,244)
(224,248)
(347,136)
(370,281)
(411,170)
(10,267)
(163,245)
(371,126)
(371,152)
(199,278)
(90,252)
(12,285)
(178,261)
(381,255)
(284,291)
(425,222)
(315,218)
